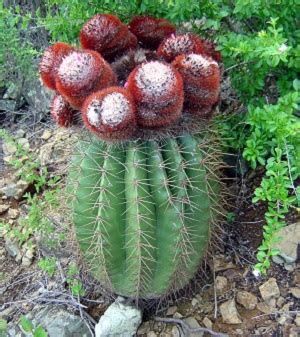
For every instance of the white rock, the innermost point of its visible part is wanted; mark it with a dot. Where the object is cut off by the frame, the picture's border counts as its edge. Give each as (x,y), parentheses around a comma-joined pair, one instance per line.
(119,319)
(297,320)
(229,313)
(269,290)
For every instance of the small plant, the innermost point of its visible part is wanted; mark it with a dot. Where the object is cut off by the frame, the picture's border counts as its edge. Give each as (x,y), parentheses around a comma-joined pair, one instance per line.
(28,327)
(48,265)
(29,169)
(75,285)
(3,327)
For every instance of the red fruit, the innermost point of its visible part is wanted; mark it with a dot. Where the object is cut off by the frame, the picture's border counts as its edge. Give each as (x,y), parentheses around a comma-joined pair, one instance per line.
(151,31)
(110,113)
(104,33)
(180,44)
(201,78)
(61,111)
(81,73)
(51,61)
(157,89)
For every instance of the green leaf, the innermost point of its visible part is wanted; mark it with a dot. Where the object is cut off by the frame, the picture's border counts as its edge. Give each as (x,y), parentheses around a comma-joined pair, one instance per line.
(26,324)
(40,332)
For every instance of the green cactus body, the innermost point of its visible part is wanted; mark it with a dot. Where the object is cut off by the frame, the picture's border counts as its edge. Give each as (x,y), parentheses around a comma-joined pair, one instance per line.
(143,211)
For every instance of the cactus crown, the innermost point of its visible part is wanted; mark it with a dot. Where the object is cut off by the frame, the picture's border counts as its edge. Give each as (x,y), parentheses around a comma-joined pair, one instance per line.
(158,87)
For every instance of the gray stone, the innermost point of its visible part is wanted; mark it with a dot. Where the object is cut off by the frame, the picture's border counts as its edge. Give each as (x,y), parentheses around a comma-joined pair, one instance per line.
(12,248)
(15,190)
(287,246)
(246,299)
(60,323)
(7,105)
(120,319)
(36,95)
(269,290)
(151,334)
(229,313)
(193,324)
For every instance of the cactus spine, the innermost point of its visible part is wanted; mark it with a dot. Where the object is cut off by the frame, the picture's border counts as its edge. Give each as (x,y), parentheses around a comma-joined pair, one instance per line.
(143,211)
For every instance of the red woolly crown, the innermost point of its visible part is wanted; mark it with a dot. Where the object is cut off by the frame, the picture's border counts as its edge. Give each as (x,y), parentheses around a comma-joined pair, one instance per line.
(157,95)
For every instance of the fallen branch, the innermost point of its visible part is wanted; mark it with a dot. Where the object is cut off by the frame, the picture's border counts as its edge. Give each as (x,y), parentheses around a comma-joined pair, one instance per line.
(186,327)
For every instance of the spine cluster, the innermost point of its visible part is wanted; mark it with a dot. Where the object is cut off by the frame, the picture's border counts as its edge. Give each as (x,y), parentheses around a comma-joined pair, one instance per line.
(201,78)
(51,61)
(61,111)
(151,31)
(110,112)
(81,73)
(181,75)
(158,92)
(106,34)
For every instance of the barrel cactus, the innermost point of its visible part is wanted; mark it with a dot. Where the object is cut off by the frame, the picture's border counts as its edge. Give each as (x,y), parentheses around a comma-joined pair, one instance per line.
(143,181)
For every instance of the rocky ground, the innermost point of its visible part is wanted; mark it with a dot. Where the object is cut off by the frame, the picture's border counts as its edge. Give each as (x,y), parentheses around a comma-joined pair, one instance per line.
(227,298)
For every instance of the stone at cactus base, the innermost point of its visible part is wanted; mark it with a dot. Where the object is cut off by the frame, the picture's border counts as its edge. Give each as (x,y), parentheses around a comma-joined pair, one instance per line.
(229,313)
(119,319)
(287,246)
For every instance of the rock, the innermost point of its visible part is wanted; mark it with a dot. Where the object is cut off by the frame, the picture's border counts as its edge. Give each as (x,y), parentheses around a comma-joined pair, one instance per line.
(120,319)
(58,322)
(280,302)
(171,311)
(12,248)
(15,190)
(264,308)
(295,292)
(7,105)
(246,299)
(193,324)
(194,302)
(221,283)
(46,135)
(177,315)
(220,263)
(229,313)
(287,246)
(24,143)
(297,320)
(282,319)
(151,334)
(269,290)
(26,262)
(20,133)
(175,332)
(144,328)
(3,208)
(207,323)
(13,213)
(9,148)
(36,95)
